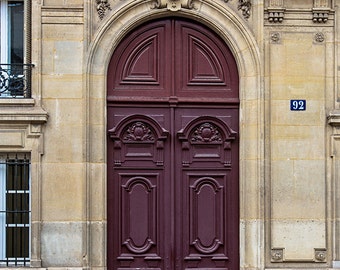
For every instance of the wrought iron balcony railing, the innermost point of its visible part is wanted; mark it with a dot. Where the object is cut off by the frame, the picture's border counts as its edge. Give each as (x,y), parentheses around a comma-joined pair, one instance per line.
(15,80)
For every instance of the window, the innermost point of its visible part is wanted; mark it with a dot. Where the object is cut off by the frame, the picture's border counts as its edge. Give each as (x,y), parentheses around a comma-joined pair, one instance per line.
(15,69)
(14,210)
(12,31)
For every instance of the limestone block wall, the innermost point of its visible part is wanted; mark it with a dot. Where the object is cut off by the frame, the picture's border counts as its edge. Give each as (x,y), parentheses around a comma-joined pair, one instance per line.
(63,188)
(299,66)
(297,146)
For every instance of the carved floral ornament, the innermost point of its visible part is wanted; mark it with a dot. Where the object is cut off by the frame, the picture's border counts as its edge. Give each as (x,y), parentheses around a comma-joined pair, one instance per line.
(103,6)
(206,133)
(139,131)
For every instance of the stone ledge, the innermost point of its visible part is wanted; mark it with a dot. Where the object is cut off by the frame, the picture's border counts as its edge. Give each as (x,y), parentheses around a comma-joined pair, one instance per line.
(62,15)
(22,268)
(5,102)
(21,114)
(333,118)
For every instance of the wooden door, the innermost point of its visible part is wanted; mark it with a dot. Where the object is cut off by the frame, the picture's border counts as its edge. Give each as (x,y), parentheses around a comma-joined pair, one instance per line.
(172,150)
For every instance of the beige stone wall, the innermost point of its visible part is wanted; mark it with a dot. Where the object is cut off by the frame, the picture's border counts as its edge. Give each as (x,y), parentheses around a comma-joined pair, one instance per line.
(63,169)
(297,145)
(300,65)
(289,161)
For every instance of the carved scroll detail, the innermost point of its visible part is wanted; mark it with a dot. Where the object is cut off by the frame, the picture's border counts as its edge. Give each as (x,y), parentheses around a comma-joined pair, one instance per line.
(244,6)
(174,5)
(102,7)
(138,138)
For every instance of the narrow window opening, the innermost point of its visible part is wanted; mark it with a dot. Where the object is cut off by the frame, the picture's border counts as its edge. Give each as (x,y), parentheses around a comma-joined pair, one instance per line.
(14,209)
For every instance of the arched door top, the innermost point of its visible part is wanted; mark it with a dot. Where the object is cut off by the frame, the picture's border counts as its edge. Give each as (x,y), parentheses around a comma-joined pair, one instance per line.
(173,59)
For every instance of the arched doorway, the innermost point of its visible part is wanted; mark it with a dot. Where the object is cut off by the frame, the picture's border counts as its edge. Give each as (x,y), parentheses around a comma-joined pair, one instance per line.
(172,112)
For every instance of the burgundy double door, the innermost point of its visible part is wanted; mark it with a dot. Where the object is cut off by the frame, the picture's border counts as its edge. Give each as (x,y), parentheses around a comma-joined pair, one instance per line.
(172,150)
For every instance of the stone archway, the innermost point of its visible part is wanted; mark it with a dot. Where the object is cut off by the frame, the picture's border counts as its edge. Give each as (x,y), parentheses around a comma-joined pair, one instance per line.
(232,29)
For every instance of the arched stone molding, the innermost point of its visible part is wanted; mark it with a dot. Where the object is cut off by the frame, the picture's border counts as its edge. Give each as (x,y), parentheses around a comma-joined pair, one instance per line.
(233,29)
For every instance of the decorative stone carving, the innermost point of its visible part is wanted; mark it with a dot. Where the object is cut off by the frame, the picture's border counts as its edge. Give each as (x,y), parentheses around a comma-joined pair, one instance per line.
(275,11)
(102,7)
(276,15)
(276,3)
(275,37)
(174,5)
(277,255)
(244,6)
(320,254)
(320,15)
(320,3)
(321,11)
(319,37)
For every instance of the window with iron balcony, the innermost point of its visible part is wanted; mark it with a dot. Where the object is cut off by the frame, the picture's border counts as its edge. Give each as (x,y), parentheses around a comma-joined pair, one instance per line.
(15,66)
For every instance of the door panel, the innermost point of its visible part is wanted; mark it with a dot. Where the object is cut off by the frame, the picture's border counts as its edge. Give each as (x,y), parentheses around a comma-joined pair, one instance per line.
(205,66)
(137,180)
(172,150)
(141,63)
(207,161)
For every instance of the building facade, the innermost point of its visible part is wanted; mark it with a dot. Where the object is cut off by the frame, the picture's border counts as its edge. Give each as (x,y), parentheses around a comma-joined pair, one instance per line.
(170,134)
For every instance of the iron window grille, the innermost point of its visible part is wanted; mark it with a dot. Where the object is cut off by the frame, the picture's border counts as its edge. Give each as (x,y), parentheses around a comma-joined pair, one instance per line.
(15,80)
(15,213)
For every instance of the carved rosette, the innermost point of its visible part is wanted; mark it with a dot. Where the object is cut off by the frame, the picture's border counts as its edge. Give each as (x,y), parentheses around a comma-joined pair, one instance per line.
(275,37)
(277,255)
(319,37)
(320,254)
